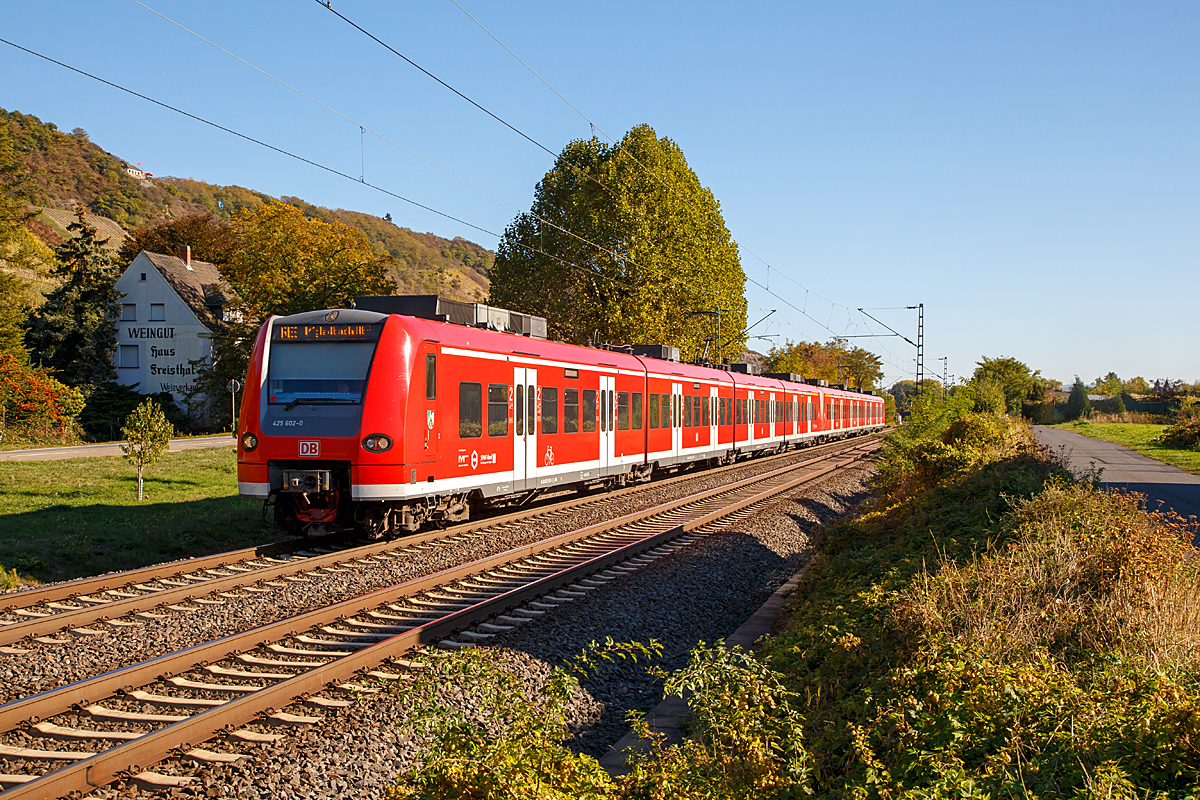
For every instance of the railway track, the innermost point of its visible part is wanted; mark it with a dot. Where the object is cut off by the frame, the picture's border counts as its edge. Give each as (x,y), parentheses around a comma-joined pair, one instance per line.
(124,599)
(229,690)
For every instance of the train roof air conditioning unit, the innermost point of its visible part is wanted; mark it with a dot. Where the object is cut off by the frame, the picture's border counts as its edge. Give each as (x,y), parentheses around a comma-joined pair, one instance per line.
(744,367)
(785,376)
(458,312)
(817,382)
(662,352)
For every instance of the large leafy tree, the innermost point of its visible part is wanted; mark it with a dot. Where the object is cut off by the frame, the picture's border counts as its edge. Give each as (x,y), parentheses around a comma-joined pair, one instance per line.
(834,361)
(73,332)
(1015,379)
(623,244)
(284,263)
(211,239)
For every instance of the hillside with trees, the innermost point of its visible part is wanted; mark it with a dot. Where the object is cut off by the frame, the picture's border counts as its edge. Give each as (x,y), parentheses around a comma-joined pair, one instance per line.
(67,170)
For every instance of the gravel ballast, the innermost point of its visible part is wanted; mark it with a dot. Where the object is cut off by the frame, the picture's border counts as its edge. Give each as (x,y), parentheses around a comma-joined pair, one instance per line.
(703,591)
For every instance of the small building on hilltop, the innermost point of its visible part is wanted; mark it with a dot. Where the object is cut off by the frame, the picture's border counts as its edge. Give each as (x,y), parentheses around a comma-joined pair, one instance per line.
(170,309)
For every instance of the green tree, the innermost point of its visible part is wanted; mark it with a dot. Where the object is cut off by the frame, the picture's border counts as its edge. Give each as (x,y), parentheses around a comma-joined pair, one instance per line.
(656,249)
(1015,378)
(73,332)
(16,247)
(1078,404)
(212,239)
(147,435)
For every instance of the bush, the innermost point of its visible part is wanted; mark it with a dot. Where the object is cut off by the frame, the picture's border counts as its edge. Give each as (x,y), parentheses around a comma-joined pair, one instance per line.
(35,406)
(1184,434)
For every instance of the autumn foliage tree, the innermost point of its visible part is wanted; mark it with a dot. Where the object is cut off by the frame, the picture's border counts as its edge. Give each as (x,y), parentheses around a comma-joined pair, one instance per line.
(834,361)
(622,244)
(285,263)
(211,239)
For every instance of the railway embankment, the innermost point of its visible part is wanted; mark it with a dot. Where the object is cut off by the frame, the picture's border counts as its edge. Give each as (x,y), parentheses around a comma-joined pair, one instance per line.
(991,626)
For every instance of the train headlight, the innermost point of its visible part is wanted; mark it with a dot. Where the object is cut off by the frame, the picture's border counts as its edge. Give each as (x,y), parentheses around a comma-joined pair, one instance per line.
(377,443)
(249,442)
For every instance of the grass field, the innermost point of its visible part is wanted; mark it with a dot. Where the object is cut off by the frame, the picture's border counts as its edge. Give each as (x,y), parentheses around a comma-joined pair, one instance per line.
(69,519)
(1139,438)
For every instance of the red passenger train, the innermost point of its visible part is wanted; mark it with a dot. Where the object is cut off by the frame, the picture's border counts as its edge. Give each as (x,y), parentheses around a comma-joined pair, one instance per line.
(353,419)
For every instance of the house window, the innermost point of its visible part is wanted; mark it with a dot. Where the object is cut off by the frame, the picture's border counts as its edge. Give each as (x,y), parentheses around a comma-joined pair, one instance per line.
(158,312)
(143,278)
(128,312)
(129,356)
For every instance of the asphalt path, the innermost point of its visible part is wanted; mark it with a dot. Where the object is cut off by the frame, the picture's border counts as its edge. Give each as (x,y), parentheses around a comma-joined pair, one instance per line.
(109,449)
(1165,487)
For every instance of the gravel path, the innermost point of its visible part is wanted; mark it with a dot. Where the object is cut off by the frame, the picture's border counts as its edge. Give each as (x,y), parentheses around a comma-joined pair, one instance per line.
(702,592)
(47,666)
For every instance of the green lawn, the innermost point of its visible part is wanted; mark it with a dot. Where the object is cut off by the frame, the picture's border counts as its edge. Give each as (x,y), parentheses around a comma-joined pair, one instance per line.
(69,519)
(1138,437)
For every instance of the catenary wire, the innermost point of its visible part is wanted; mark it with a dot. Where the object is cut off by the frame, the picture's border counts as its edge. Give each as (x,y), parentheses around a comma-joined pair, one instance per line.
(366,129)
(318,165)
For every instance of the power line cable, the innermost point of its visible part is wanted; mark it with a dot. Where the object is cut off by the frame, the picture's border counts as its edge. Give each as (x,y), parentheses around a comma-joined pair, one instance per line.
(308,161)
(363,129)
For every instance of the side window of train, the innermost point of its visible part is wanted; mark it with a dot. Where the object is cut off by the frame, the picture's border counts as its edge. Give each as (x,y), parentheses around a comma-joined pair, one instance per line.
(687,411)
(549,409)
(497,409)
(470,410)
(588,410)
(665,408)
(704,417)
(612,419)
(622,411)
(636,410)
(570,410)
(431,376)
(519,410)
(652,409)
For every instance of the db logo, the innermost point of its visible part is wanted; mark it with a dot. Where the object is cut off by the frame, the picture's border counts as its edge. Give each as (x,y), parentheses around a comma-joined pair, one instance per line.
(474,459)
(549,456)
(310,449)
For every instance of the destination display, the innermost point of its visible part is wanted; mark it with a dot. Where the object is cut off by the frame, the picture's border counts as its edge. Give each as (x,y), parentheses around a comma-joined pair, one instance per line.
(328,332)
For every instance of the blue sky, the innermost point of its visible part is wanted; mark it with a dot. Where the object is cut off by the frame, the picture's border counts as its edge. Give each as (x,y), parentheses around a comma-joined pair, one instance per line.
(1028,171)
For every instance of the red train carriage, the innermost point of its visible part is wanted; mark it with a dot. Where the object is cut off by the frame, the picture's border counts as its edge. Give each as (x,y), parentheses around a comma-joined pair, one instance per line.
(382,422)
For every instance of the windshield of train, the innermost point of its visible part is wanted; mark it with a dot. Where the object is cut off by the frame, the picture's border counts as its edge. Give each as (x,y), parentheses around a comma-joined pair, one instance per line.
(319,371)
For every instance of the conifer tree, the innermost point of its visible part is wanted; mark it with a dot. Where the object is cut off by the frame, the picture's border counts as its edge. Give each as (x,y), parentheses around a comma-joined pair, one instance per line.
(74,333)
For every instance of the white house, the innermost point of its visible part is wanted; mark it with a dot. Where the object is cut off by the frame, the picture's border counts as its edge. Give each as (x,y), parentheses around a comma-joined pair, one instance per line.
(171,307)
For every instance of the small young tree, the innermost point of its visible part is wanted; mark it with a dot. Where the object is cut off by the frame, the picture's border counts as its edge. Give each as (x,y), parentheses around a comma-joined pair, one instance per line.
(148,434)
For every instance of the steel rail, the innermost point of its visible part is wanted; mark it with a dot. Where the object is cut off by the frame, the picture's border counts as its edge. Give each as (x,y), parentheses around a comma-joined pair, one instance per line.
(133,756)
(53,623)
(57,701)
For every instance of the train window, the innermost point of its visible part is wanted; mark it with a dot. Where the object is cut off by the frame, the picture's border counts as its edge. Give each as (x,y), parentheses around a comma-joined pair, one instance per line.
(531,408)
(636,410)
(549,409)
(588,410)
(570,411)
(665,407)
(430,376)
(622,411)
(611,413)
(687,411)
(519,410)
(603,410)
(497,409)
(652,409)
(720,410)
(704,417)
(470,410)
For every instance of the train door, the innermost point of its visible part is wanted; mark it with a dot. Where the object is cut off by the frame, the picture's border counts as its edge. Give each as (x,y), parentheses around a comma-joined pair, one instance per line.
(427,401)
(712,417)
(525,422)
(607,422)
(677,419)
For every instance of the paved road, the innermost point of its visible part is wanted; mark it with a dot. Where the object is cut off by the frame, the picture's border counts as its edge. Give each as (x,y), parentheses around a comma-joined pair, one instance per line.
(1161,483)
(112,449)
